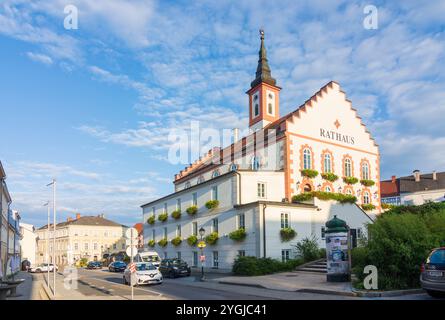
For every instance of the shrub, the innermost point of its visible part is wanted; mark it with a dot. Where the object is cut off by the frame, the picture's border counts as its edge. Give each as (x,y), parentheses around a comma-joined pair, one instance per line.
(238,235)
(151,243)
(192,240)
(176,214)
(309,173)
(350,180)
(340,197)
(399,242)
(322,253)
(368,206)
(83,262)
(212,204)
(252,266)
(367,182)
(387,205)
(192,210)
(329,176)
(308,249)
(287,234)
(162,242)
(163,217)
(212,238)
(151,220)
(176,241)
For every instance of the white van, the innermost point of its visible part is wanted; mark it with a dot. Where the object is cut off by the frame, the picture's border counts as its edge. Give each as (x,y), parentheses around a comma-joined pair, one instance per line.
(148,256)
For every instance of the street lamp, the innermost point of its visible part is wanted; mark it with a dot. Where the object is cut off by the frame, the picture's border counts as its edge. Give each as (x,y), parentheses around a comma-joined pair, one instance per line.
(202,231)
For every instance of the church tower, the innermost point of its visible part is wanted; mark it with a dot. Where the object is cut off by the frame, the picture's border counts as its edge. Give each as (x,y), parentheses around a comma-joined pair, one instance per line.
(264,99)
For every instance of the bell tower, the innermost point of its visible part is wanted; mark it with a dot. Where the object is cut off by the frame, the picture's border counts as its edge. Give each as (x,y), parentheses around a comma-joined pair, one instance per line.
(264,94)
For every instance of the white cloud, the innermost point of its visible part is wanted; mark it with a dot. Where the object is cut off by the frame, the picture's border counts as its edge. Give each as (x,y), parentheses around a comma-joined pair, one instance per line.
(40,58)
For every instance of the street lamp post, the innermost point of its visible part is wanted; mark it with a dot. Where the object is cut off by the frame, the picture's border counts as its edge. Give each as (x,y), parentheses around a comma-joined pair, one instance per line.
(47,244)
(201,233)
(53,183)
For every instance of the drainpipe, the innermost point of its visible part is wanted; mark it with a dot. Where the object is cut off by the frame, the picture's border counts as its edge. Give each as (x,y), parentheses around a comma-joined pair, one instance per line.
(239,202)
(264,230)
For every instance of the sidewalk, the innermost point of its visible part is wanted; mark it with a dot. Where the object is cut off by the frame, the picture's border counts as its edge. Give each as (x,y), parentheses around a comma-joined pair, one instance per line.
(294,281)
(26,290)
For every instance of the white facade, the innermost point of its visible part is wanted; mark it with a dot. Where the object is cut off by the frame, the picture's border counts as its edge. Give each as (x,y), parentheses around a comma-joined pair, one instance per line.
(28,242)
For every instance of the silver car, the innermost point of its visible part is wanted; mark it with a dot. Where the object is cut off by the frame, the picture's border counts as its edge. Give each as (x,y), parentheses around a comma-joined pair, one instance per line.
(432,276)
(146,273)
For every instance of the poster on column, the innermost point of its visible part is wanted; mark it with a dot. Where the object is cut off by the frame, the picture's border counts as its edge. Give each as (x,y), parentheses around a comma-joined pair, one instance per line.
(337,253)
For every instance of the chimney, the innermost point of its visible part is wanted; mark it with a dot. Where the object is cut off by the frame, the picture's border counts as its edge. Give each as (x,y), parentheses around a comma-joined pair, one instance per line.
(68,219)
(416,174)
(77,216)
(393,179)
(434,175)
(235,135)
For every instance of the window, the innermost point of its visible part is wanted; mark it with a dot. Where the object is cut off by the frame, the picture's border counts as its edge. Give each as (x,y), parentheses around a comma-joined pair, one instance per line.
(327,163)
(323,233)
(187,185)
(348,167)
(123,246)
(179,255)
(178,230)
(178,204)
(201,179)
(165,255)
(285,255)
(349,191)
(215,174)
(241,253)
(86,245)
(153,235)
(307,159)
(261,190)
(270,108)
(255,163)
(194,199)
(270,103)
(106,234)
(365,171)
(95,246)
(165,207)
(195,228)
(366,197)
(215,259)
(359,233)
(327,189)
(284,220)
(114,246)
(241,221)
(165,233)
(233,167)
(153,211)
(215,193)
(215,225)
(256,106)
(195,259)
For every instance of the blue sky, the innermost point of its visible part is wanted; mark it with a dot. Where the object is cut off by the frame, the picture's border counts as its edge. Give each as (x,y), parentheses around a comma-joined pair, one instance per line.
(93,106)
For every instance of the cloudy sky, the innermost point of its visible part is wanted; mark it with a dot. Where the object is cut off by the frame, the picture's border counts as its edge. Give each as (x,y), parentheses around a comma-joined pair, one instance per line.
(93,107)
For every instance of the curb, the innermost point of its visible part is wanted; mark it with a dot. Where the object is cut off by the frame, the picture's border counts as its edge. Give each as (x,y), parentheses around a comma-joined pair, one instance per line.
(393,293)
(247,285)
(330,292)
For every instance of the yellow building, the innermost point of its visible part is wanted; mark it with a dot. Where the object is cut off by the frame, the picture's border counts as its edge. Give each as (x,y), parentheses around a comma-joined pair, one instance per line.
(87,237)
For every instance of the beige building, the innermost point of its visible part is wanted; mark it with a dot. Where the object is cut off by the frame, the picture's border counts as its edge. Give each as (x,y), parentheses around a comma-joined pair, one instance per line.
(87,237)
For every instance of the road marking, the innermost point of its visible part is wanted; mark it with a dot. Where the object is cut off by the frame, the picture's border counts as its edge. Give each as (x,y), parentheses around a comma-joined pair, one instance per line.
(136,288)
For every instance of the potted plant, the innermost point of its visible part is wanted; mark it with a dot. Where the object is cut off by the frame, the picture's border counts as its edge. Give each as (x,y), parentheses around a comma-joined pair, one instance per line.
(368,206)
(350,180)
(176,241)
(192,210)
(212,204)
(151,220)
(162,242)
(238,235)
(287,234)
(309,173)
(329,176)
(163,217)
(176,214)
(367,182)
(192,240)
(151,243)
(212,238)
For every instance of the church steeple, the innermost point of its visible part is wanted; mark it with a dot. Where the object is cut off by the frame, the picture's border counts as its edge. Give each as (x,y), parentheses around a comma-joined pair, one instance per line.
(263,94)
(263,73)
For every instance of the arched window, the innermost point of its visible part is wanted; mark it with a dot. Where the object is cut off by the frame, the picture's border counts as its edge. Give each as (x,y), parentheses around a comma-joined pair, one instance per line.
(348,167)
(233,167)
(187,185)
(215,173)
(365,171)
(255,163)
(307,159)
(349,191)
(327,189)
(201,179)
(366,197)
(327,163)
(307,188)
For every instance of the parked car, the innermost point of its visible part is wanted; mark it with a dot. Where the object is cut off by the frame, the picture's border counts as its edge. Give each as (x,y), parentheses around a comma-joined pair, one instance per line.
(43,267)
(94,265)
(117,266)
(146,273)
(432,276)
(148,256)
(174,268)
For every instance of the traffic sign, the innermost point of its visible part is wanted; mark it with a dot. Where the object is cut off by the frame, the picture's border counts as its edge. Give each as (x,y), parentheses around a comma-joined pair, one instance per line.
(132,267)
(201,244)
(129,231)
(128,251)
(202,258)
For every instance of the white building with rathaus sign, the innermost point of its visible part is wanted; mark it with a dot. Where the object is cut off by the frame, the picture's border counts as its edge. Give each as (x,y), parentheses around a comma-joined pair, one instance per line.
(321,146)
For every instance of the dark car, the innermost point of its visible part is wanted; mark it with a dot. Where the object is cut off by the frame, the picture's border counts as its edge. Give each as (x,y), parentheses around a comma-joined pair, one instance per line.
(94,265)
(174,268)
(117,266)
(432,276)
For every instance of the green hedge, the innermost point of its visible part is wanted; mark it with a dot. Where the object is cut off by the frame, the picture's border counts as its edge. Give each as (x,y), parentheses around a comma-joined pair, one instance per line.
(238,235)
(252,266)
(329,176)
(399,242)
(192,210)
(212,204)
(340,197)
(309,173)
